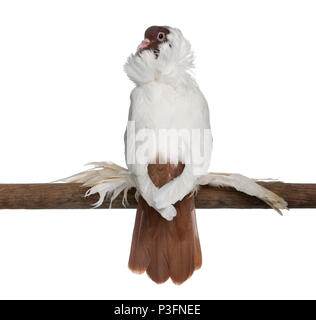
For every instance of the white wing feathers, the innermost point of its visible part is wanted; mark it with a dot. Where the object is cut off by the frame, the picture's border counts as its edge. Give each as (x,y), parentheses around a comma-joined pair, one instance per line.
(109,180)
(176,189)
(245,185)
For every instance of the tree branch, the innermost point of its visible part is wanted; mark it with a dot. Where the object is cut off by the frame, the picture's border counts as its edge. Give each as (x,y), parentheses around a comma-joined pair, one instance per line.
(71,196)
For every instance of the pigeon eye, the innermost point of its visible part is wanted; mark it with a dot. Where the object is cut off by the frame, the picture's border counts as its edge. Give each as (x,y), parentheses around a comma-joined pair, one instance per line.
(161,36)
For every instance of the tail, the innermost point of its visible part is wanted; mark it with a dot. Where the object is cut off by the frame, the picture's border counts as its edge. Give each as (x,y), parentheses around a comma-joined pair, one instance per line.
(166,249)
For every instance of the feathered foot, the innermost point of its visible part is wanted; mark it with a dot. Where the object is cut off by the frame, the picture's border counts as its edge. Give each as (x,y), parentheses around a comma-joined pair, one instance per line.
(106,178)
(245,185)
(109,180)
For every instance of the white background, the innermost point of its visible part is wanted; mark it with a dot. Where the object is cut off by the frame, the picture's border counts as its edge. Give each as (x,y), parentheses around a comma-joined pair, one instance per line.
(64,100)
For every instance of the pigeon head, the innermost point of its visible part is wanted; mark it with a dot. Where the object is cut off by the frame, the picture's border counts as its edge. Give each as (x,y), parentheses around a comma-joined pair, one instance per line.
(154,36)
(164,55)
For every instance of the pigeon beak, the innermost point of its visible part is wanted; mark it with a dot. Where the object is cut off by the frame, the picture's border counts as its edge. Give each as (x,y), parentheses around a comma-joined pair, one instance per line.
(145,43)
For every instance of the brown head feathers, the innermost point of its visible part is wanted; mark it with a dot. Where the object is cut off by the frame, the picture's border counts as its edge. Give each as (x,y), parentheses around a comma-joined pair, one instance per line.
(154,36)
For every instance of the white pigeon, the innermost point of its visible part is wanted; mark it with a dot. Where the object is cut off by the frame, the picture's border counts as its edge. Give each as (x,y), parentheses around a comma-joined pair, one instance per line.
(168,145)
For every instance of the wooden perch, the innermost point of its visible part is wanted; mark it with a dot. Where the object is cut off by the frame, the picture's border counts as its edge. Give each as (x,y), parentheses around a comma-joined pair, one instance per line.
(71,196)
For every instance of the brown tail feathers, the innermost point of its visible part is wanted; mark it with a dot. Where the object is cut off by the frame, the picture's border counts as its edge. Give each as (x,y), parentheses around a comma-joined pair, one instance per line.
(166,248)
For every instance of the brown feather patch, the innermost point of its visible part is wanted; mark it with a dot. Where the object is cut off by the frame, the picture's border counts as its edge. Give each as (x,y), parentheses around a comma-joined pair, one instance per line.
(160,174)
(166,249)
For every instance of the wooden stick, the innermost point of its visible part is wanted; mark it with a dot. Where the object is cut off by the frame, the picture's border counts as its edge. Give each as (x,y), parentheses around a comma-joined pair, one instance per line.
(71,196)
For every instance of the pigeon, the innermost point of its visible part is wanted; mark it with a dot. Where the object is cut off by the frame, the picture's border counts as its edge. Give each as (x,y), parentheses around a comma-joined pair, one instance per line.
(168,126)
(165,240)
